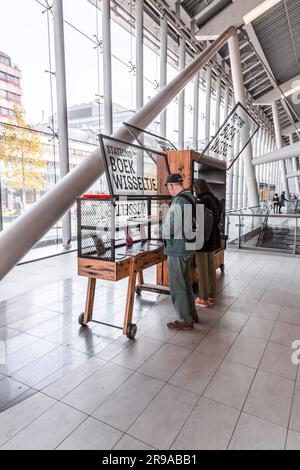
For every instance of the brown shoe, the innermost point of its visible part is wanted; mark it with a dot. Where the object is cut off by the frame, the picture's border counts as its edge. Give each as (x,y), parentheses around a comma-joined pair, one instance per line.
(177,325)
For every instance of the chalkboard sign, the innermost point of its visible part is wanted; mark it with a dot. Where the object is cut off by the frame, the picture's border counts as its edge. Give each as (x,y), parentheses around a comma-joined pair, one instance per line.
(133,170)
(233,136)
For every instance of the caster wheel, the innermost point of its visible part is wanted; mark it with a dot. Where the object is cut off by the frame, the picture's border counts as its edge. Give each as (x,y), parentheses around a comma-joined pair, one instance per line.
(138,290)
(131,331)
(80,319)
(222,267)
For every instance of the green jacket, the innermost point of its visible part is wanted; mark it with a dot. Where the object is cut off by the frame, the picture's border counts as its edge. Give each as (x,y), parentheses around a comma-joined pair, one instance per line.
(176,225)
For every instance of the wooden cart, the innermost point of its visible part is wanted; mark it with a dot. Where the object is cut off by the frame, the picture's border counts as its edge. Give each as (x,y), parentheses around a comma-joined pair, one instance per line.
(131,267)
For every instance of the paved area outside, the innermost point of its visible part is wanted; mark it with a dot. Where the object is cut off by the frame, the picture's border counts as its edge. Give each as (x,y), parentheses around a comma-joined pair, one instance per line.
(228,384)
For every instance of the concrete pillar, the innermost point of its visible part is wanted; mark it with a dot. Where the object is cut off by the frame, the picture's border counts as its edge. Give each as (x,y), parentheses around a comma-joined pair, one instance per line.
(107,86)
(279,145)
(182,46)
(240,95)
(163,69)
(62,111)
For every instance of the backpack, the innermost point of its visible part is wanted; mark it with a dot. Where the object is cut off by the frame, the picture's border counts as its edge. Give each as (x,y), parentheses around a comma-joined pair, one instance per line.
(208,218)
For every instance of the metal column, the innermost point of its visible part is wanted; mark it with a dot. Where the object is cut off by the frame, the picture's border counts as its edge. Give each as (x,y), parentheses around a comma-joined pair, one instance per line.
(62,111)
(207,106)
(295,167)
(163,69)
(181,96)
(218,103)
(196,112)
(107,87)
(279,146)
(240,95)
(226,101)
(139,39)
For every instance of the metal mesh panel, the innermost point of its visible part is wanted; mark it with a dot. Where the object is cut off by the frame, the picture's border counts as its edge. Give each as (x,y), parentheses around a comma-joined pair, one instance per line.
(96,229)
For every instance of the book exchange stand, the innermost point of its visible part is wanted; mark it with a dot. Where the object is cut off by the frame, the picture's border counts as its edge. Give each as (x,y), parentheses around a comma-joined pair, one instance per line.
(119,235)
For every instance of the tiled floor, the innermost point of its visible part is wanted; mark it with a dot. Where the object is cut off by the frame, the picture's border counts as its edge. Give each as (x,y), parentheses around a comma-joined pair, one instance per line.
(228,384)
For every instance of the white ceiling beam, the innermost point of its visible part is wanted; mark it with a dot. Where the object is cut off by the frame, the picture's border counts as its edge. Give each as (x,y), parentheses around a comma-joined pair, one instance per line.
(276,93)
(291,129)
(257,46)
(232,15)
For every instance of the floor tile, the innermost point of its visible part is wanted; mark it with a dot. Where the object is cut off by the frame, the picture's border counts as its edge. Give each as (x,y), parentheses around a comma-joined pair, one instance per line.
(129,443)
(223,386)
(47,431)
(290,315)
(293,441)
(285,333)
(295,415)
(243,305)
(89,395)
(254,433)
(9,390)
(196,372)
(123,407)
(292,301)
(277,360)
(14,419)
(266,310)
(138,353)
(233,321)
(247,351)
(46,365)
(65,384)
(91,435)
(189,339)
(160,423)
(24,356)
(209,427)
(165,362)
(259,328)
(270,398)
(217,343)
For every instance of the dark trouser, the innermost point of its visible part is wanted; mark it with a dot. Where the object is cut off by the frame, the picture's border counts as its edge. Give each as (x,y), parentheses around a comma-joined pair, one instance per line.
(205,262)
(276,207)
(180,287)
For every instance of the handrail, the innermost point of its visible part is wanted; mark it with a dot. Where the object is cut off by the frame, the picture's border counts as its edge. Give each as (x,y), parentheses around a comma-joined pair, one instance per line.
(242,209)
(263,227)
(30,227)
(279,216)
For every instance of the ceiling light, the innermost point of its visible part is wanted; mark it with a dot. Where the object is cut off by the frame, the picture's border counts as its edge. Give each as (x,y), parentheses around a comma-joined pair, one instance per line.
(259,10)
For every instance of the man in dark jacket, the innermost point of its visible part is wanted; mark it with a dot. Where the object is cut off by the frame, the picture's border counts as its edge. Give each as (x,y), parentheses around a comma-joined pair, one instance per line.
(282,201)
(178,223)
(205,258)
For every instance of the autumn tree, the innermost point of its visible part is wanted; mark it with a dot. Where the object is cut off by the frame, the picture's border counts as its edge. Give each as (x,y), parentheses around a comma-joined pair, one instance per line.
(21,154)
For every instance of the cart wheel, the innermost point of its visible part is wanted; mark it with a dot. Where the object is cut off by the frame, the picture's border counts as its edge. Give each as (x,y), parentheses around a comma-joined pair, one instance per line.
(80,319)
(222,267)
(131,331)
(138,290)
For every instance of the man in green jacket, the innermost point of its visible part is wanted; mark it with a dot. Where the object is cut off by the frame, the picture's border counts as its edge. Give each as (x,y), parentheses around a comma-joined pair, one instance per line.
(177,233)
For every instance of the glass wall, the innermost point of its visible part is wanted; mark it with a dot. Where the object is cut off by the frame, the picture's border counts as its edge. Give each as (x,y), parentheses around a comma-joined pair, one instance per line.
(29,146)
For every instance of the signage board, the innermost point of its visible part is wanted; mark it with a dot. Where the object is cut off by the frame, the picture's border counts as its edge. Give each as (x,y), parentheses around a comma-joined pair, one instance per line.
(133,170)
(233,136)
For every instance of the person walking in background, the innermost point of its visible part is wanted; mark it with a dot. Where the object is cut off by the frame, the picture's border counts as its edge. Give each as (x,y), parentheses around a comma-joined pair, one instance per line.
(276,203)
(282,201)
(205,261)
(179,256)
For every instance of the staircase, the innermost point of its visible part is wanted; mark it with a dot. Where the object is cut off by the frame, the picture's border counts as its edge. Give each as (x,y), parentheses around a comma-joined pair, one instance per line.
(281,238)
